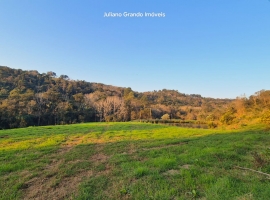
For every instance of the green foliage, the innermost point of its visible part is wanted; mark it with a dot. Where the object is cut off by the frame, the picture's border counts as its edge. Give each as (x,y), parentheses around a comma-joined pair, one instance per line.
(28,98)
(141,171)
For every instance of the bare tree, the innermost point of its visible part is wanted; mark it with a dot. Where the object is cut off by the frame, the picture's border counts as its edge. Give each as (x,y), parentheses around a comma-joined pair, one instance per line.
(40,100)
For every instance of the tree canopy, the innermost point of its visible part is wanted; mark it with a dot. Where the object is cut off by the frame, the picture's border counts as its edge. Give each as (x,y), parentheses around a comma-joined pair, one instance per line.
(29,98)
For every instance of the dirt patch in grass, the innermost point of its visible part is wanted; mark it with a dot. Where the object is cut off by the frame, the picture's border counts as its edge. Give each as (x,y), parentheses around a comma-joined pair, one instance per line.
(185,166)
(100,157)
(49,185)
(248,196)
(171,172)
(74,141)
(107,171)
(25,173)
(52,188)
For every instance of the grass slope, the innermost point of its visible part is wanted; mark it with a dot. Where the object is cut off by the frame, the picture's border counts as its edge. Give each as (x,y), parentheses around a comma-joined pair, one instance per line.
(133,161)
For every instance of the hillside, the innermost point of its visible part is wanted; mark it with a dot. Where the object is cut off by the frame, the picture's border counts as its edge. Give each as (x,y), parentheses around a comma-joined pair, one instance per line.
(29,98)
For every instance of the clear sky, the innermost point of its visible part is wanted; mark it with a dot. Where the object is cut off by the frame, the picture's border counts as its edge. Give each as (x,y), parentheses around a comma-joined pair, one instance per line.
(216,48)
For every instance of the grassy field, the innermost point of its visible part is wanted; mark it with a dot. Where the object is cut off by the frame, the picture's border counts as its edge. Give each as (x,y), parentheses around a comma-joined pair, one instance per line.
(134,161)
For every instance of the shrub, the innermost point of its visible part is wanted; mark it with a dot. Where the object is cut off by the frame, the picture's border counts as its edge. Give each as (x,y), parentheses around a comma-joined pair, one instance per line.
(211,125)
(266,118)
(227,118)
(165,117)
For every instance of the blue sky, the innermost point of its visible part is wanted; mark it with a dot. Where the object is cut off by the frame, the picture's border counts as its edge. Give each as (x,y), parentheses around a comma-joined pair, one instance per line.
(216,48)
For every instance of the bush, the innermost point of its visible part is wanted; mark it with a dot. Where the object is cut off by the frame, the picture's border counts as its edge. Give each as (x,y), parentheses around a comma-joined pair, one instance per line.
(227,118)
(266,118)
(211,125)
(165,117)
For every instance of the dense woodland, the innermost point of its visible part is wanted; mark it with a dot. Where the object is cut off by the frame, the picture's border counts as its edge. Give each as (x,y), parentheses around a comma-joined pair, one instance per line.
(29,98)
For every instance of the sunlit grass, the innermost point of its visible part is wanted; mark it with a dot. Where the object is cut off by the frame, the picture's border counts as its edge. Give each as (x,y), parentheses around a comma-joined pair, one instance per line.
(135,161)
(35,137)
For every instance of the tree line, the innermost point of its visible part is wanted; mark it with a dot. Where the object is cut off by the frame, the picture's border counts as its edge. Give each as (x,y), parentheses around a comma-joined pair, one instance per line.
(30,98)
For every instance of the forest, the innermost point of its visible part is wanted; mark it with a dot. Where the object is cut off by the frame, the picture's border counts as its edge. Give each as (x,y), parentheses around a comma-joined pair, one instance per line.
(30,98)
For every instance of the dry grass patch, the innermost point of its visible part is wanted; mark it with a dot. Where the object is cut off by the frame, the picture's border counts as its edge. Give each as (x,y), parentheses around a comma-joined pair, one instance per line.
(171,172)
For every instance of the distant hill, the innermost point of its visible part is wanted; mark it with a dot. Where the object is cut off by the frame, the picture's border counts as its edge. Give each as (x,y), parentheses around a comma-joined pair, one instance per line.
(30,98)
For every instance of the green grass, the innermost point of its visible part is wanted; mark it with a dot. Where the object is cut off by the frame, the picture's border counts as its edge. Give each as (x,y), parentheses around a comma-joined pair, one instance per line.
(133,161)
